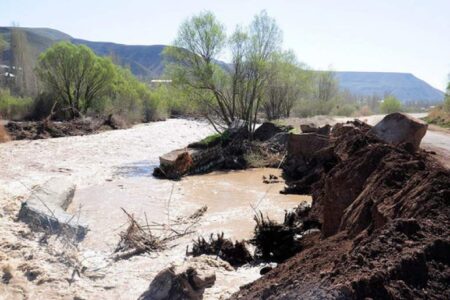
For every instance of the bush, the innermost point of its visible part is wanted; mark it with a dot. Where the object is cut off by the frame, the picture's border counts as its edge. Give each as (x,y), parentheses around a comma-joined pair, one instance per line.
(14,108)
(446,105)
(390,105)
(211,140)
(309,108)
(343,110)
(363,111)
(439,116)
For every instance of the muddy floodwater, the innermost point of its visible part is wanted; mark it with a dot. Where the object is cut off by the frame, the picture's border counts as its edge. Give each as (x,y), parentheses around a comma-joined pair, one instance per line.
(232,199)
(112,170)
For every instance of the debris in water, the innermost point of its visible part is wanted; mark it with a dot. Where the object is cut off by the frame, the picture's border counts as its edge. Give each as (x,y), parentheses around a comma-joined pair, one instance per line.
(235,253)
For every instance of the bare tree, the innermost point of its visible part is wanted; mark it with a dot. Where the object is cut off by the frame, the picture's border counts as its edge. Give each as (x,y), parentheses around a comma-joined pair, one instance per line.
(22,64)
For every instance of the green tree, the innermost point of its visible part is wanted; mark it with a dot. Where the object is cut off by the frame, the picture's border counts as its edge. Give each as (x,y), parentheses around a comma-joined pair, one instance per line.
(447,99)
(390,105)
(227,93)
(75,76)
(288,82)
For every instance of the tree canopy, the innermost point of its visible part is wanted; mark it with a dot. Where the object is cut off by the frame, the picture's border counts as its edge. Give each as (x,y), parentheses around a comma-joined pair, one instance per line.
(228,92)
(75,76)
(390,104)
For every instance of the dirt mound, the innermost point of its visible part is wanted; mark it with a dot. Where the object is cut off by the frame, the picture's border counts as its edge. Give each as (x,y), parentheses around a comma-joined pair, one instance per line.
(384,212)
(34,130)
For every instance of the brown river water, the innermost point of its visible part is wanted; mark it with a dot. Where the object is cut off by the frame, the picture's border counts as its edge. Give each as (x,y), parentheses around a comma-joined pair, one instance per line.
(232,199)
(112,170)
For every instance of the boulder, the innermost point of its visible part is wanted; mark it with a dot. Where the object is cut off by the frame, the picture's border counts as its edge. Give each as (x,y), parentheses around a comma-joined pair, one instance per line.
(187,281)
(176,163)
(307,145)
(312,128)
(399,128)
(46,209)
(266,131)
(116,122)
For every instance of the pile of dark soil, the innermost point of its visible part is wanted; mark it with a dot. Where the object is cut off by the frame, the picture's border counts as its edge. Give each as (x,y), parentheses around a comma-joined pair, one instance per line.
(385,228)
(34,130)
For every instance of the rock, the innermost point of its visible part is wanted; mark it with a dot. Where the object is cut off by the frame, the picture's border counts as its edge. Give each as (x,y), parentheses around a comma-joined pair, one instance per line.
(266,131)
(399,128)
(184,282)
(45,209)
(116,122)
(306,145)
(312,128)
(176,163)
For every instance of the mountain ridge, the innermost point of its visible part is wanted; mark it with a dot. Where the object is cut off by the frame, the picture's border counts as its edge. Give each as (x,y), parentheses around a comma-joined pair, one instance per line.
(146,62)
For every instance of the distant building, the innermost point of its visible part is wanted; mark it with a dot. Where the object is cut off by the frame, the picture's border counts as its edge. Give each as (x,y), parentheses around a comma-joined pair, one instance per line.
(158,82)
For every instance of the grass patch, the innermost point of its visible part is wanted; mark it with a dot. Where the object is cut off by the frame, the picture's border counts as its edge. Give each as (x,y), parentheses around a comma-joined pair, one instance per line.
(211,141)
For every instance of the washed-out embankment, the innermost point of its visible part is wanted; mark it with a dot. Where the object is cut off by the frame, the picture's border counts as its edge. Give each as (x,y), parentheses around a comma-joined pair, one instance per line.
(380,209)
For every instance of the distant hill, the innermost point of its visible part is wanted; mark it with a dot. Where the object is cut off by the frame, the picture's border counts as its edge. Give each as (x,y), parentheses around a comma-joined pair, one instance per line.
(404,86)
(146,62)
(143,61)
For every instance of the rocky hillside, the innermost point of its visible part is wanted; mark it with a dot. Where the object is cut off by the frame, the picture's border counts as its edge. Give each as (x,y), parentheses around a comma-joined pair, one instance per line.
(404,86)
(146,62)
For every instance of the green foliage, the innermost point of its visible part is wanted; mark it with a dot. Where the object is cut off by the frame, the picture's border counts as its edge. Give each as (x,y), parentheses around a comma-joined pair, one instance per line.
(447,99)
(212,140)
(345,109)
(13,108)
(225,94)
(75,76)
(390,105)
(82,83)
(438,116)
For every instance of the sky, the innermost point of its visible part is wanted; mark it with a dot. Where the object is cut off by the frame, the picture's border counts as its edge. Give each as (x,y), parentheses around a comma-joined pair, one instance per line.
(410,36)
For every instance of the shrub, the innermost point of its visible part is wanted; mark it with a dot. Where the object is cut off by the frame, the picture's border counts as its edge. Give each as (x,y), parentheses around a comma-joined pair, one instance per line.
(439,116)
(14,108)
(363,111)
(343,110)
(390,105)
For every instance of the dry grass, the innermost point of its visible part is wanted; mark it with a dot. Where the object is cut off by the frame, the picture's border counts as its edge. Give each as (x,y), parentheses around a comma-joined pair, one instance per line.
(438,116)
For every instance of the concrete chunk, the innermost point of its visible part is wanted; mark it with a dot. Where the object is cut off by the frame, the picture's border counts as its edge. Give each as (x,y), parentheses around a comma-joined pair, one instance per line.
(46,209)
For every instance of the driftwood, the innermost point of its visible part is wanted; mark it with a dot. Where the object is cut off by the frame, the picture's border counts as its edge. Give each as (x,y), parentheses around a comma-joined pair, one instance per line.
(141,238)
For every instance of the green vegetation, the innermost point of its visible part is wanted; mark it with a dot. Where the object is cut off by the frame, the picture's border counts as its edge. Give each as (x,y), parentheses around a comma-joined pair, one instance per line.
(225,94)
(13,108)
(75,76)
(390,105)
(212,140)
(261,81)
(447,99)
(440,115)
(75,83)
